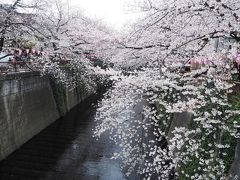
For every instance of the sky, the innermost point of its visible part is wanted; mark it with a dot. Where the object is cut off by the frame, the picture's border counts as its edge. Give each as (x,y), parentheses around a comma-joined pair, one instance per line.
(112,12)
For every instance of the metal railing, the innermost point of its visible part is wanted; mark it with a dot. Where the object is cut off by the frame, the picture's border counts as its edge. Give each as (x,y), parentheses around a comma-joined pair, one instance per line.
(15,66)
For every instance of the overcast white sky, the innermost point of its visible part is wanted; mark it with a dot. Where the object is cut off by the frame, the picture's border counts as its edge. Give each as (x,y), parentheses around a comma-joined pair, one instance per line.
(112,12)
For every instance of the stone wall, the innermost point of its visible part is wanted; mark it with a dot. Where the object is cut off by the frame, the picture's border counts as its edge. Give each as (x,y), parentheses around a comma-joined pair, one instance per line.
(27,106)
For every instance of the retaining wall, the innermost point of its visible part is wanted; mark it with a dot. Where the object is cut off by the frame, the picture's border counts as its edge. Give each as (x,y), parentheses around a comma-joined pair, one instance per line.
(27,106)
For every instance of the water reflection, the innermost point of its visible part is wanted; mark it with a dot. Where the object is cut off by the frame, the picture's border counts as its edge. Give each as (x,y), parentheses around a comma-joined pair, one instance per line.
(105,169)
(65,150)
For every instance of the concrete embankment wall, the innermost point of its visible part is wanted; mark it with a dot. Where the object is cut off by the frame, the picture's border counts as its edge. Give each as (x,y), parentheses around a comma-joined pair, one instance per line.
(28,104)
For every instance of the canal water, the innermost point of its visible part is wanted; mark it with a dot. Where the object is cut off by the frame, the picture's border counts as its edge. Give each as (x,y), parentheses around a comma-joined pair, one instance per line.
(66,150)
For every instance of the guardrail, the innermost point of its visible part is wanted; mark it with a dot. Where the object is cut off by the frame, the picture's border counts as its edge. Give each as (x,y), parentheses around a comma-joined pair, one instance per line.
(15,66)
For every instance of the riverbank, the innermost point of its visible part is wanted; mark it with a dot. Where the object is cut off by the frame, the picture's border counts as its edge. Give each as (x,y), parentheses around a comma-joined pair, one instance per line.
(29,104)
(66,150)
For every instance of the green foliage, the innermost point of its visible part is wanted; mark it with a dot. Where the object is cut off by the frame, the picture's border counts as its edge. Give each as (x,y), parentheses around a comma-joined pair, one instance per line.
(219,135)
(230,152)
(194,165)
(25,43)
(98,63)
(164,124)
(226,154)
(59,93)
(81,88)
(1,84)
(235,77)
(234,99)
(188,168)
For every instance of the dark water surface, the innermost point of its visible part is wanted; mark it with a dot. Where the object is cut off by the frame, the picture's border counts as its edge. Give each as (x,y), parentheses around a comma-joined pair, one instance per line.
(65,150)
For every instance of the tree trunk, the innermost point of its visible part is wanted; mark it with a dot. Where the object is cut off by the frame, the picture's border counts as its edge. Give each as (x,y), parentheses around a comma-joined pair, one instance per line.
(1,43)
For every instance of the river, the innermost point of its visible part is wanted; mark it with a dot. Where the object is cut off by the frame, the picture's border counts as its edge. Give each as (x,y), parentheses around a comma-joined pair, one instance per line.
(66,150)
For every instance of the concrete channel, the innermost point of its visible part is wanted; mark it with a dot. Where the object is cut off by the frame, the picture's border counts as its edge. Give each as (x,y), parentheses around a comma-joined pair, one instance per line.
(65,150)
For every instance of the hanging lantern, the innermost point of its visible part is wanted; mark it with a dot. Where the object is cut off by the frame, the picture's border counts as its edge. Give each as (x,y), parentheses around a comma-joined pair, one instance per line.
(238,61)
(204,61)
(19,52)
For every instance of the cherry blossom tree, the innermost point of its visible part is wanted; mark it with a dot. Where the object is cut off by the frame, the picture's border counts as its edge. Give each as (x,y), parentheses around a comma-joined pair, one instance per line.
(16,18)
(174,34)
(70,40)
(180,30)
